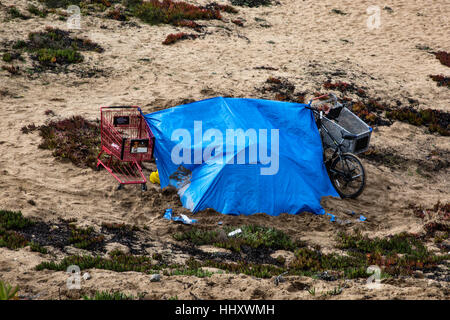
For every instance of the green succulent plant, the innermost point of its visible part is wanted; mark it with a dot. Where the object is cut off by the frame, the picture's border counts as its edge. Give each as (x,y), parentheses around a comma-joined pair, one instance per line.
(7,292)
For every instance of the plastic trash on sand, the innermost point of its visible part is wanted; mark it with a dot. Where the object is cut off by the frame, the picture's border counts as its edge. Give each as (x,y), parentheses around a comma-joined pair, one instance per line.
(235,232)
(154,177)
(182,218)
(168,214)
(332,217)
(362,218)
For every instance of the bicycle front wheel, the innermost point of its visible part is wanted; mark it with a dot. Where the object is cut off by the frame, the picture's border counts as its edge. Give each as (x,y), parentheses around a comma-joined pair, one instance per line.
(347,176)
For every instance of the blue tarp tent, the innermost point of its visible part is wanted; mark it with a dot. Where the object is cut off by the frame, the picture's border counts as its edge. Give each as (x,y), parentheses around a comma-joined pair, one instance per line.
(241,156)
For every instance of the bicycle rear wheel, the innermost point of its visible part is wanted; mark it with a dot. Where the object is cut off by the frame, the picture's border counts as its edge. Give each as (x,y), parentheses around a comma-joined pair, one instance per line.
(347,176)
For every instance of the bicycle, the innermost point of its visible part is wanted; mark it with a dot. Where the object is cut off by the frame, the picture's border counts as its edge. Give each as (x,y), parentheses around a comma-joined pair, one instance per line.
(345,170)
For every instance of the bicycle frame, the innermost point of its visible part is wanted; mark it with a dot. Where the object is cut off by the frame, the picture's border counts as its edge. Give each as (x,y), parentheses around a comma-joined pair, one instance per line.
(339,155)
(337,151)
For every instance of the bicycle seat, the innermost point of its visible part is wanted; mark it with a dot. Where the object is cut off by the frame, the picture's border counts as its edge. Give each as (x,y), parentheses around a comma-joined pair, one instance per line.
(349,136)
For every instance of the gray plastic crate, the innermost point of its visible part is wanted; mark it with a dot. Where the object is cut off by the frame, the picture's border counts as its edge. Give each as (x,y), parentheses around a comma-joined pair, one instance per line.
(347,122)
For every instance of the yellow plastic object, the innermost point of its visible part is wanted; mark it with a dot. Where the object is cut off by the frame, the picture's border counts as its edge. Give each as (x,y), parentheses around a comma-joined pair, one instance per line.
(154,177)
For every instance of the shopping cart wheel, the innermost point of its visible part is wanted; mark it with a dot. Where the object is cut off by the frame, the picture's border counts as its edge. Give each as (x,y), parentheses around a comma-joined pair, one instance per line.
(144,187)
(120,186)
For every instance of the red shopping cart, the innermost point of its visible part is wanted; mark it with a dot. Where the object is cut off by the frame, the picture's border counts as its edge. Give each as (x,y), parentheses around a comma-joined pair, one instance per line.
(126,142)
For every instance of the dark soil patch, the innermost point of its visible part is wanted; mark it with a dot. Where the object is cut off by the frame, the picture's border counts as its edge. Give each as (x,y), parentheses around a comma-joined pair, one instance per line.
(117,14)
(443,57)
(13,70)
(175,37)
(221,7)
(297,286)
(252,255)
(344,87)
(55,235)
(265,68)
(128,236)
(282,90)
(338,11)
(442,81)
(251,3)
(437,160)
(17,231)
(60,235)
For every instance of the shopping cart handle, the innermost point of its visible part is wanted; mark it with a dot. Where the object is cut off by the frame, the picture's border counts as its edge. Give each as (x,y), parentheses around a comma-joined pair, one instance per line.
(320,97)
(323,96)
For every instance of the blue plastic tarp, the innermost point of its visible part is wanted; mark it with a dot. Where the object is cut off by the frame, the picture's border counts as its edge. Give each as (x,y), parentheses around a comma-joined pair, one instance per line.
(241,156)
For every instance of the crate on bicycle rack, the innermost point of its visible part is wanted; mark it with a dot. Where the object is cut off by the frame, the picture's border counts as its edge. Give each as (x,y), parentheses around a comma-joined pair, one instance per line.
(349,123)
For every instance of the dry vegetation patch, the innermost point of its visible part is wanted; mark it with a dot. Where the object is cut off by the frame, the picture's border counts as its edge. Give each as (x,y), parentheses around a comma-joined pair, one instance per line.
(75,139)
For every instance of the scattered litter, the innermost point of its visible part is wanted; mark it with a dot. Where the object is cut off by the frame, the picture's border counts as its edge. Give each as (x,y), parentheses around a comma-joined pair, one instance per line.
(333,217)
(351,213)
(220,223)
(362,218)
(86,276)
(279,279)
(154,177)
(343,222)
(168,214)
(183,218)
(235,232)
(155,277)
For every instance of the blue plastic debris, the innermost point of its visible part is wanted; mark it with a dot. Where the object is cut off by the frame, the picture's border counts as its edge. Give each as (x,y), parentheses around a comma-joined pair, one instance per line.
(333,217)
(168,214)
(362,218)
(182,218)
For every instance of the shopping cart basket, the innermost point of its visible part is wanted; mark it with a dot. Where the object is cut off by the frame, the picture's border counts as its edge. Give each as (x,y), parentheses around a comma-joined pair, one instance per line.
(340,120)
(126,142)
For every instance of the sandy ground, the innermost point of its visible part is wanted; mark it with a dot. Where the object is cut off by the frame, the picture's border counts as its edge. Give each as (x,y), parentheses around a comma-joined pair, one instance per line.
(305,43)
